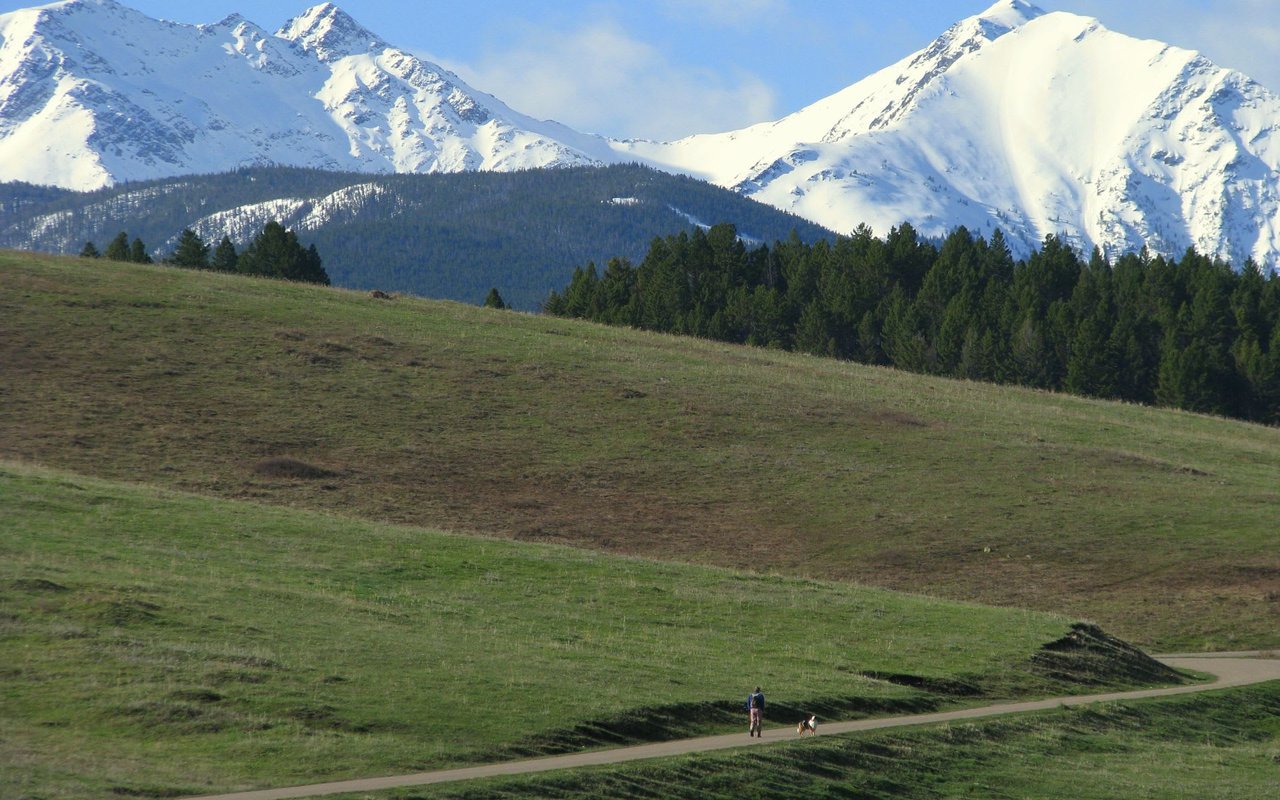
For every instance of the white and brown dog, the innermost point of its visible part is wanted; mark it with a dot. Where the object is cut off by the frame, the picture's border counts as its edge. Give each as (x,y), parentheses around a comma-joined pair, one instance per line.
(808,725)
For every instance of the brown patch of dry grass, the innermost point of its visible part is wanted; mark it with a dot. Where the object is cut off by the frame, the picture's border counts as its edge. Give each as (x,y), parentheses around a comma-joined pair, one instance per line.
(287,467)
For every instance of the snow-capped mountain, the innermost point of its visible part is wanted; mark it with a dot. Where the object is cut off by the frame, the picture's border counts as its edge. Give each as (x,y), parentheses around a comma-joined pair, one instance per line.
(1032,122)
(93,93)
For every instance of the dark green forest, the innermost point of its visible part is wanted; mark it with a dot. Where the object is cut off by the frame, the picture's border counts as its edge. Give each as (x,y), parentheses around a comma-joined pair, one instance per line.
(450,236)
(1189,333)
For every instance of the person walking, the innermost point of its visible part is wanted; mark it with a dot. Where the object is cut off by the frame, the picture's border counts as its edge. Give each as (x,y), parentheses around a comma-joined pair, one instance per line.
(755,709)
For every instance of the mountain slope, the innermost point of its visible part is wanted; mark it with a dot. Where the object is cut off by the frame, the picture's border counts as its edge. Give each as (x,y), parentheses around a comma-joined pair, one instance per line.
(1016,119)
(1031,122)
(92,93)
(449,236)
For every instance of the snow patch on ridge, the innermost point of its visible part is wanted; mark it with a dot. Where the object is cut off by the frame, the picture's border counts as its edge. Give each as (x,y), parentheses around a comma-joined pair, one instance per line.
(245,222)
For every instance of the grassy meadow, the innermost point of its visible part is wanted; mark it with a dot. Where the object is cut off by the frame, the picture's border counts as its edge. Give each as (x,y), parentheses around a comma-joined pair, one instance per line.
(1158,525)
(259,534)
(159,644)
(1225,746)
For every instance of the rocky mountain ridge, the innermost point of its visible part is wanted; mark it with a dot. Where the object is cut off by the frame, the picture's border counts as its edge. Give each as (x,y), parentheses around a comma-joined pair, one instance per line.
(1028,121)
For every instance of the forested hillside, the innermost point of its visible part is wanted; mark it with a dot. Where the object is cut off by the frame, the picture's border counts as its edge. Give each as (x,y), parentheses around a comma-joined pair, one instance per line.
(441,236)
(1188,333)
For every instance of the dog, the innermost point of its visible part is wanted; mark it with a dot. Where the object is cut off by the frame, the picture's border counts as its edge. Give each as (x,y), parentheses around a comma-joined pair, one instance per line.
(808,725)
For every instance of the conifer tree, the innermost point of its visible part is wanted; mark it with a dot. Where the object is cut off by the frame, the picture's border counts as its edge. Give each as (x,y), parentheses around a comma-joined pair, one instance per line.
(138,252)
(90,250)
(118,247)
(813,331)
(903,342)
(276,253)
(870,346)
(554,305)
(618,293)
(580,298)
(1028,355)
(191,251)
(1267,380)
(494,300)
(225,257)
(310,268)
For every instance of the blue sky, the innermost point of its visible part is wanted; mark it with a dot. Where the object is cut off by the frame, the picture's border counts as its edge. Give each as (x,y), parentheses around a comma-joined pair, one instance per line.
(669,68)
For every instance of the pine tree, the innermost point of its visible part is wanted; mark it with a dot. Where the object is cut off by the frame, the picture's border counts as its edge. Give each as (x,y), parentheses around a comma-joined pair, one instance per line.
(310,268)
(618,299)
(1091,369)
(553,306)
(768,320)
(225,257)
(118,248)
(1267,380)
(870,346)
(905,345)
(494,300)
(813,331)
(958,327)
(1028,355)
(580,298)
(191,251)
(138,252)
(90,250)
(276,253)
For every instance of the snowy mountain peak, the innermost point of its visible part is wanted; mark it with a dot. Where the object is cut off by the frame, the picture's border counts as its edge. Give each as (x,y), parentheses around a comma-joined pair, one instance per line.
(1010,14)
(93,92)
(919,72)
(330,33)
(1014,120)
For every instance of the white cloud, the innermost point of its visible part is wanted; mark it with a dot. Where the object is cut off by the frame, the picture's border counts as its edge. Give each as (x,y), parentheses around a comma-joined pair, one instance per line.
(599,79)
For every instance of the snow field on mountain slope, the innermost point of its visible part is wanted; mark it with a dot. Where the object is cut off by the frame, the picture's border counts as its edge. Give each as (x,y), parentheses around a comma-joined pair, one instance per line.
(1051,105)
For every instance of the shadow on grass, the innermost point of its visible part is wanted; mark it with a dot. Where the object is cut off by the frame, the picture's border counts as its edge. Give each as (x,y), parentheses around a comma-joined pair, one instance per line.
(1087,657)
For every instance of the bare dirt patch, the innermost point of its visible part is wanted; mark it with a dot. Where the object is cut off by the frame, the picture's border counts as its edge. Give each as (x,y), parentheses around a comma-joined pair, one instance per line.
(286,467)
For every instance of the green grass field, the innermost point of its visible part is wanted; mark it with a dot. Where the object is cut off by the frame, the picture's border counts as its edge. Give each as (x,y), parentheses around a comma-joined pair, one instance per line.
(221,568)
(159,644)
(1225,746)
(1158,525)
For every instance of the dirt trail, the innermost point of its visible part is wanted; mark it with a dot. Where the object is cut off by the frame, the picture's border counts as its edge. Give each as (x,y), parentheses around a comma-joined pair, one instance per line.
(1231,669)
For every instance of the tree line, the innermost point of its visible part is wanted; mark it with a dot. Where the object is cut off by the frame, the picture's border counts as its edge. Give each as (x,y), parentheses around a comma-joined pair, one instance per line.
(1189,333)
(274,253)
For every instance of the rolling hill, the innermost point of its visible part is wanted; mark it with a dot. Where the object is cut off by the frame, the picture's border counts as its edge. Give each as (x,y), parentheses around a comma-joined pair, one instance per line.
(160,644)
(224,568)
(1156,524)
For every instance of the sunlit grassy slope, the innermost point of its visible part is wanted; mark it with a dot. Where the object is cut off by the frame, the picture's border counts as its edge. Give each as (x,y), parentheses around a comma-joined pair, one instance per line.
(1222,746)
(1159,525)
(160,644)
